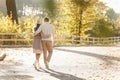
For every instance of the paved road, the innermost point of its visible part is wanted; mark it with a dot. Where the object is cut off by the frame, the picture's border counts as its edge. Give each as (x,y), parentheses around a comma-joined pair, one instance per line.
(68,63)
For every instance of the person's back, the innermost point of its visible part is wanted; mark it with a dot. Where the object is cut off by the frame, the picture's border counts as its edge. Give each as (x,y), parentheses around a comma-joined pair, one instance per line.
(37,45)
(47,31)
(47,41)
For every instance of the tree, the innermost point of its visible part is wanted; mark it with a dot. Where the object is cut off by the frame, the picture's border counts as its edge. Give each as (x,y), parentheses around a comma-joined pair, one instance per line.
(11,10)
(102,29)
(82,18)
(72,13)
(114,18)
(117,26)
(93,14)
(47,7)
(111,14)
(81,7)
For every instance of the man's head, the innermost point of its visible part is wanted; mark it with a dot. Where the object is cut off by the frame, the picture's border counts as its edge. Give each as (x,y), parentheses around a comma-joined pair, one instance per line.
(46,19)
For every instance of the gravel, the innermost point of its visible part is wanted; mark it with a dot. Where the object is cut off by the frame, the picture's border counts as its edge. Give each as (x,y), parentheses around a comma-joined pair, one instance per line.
(67,63)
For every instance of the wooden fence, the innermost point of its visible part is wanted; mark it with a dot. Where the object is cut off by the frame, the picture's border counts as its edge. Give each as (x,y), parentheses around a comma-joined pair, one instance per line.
(25,39)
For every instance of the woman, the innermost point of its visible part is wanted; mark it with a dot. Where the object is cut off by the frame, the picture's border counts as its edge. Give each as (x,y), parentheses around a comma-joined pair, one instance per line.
(37,46)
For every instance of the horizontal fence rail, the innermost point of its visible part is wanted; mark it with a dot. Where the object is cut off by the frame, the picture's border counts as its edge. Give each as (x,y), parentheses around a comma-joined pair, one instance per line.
(26,39)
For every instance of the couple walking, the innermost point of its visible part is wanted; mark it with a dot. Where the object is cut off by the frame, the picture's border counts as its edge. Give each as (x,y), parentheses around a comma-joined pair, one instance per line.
(43,42)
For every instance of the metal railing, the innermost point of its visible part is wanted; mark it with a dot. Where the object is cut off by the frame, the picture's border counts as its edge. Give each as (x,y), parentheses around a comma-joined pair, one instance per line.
(25,39)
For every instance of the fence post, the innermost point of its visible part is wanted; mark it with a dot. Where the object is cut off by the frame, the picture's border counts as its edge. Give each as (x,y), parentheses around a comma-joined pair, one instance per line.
(93,41)
(72,39)
(87,40)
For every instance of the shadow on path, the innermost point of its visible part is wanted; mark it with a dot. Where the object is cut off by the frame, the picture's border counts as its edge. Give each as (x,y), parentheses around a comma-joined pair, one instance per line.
(62,76)
(107,59)
(11,72)
(16,77)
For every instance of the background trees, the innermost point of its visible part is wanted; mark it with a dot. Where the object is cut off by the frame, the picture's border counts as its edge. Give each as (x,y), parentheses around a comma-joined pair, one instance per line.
(11,10)
(77,17)
(83,18)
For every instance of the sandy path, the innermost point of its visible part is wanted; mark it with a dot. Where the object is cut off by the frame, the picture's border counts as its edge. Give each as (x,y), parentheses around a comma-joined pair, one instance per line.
(68,63)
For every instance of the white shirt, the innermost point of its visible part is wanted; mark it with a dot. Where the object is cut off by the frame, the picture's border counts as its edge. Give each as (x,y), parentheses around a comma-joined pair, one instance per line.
(46,30)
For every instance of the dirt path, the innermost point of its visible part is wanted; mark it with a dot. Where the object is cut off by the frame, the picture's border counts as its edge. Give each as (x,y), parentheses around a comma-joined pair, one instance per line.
(68,63)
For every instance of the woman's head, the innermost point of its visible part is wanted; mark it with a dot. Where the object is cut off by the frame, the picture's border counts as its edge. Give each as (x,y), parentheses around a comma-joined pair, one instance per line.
(38,21)
(37,24)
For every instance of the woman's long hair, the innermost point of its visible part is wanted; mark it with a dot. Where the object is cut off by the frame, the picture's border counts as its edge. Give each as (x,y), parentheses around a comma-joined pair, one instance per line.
(37,26)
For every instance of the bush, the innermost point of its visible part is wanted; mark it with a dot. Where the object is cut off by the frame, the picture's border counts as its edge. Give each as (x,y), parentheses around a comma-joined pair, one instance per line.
(24,29)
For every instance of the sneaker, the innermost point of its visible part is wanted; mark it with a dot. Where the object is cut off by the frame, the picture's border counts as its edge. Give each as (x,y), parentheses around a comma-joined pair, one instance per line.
(36,65)
(47,66)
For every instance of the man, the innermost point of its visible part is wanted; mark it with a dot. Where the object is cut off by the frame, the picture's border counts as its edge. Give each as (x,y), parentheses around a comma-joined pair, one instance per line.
(46,31)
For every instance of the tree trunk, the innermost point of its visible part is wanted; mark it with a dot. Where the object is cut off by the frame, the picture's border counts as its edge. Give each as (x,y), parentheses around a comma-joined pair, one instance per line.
(80,22)
(11,10)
